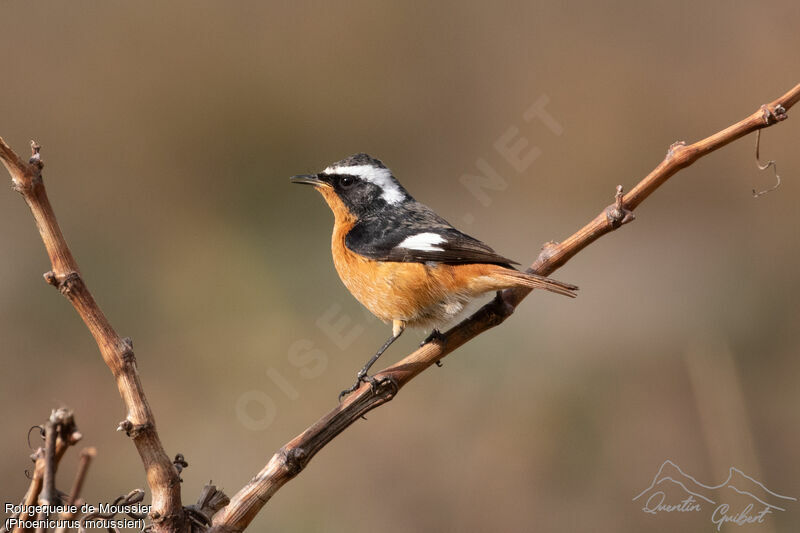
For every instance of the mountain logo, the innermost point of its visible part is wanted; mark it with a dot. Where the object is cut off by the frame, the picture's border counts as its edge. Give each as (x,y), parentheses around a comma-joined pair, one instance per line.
(738,500)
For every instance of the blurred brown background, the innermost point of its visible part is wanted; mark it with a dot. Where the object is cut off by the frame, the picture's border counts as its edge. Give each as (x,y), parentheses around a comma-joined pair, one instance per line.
(169,134)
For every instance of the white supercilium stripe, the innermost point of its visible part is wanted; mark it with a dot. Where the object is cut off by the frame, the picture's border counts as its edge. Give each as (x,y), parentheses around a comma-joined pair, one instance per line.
(382,177)
(423,242)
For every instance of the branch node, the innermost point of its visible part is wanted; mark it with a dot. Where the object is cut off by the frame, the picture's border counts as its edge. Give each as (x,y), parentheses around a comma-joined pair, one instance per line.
(293,460)
(675,148)
(180,463)
(74,437)
(771,116)
(387,388)
(126,352)
(548,250)
(36,157)
(66,283)
(50,278)
(617,214)
(133,430)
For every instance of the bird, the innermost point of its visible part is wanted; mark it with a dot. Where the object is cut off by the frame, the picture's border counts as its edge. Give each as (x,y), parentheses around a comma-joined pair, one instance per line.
(401,260)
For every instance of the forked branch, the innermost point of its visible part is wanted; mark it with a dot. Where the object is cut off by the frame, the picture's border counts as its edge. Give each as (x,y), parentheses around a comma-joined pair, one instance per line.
(167,512)
(295,455)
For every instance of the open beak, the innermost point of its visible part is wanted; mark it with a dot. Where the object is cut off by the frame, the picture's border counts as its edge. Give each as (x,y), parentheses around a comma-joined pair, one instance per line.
(308,179)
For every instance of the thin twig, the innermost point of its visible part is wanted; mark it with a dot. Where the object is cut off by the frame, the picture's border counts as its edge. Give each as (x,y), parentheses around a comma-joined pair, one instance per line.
(64,434)
(48,495)
(35,487)
(139,424)
(87,454)
(296,454)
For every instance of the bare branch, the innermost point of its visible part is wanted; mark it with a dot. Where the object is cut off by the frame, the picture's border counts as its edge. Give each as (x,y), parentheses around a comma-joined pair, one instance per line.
(60,433)
(295,455)
(139,424)
(48,495)
(87,454)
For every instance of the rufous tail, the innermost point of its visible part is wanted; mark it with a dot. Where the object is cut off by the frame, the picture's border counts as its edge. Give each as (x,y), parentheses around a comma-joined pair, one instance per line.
(534,281)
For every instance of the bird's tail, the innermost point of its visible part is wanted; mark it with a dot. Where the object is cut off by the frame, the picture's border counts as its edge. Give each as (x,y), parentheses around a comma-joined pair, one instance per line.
(534,281)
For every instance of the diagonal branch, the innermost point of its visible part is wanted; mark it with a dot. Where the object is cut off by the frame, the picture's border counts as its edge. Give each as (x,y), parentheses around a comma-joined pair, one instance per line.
(117,353)
(295,455)
(87,454)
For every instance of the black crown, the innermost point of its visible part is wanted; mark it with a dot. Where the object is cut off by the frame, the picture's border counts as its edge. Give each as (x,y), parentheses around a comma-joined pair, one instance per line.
(359,159)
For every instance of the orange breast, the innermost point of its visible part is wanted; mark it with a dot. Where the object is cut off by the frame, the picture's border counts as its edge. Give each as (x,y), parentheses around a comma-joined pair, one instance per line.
(418,294)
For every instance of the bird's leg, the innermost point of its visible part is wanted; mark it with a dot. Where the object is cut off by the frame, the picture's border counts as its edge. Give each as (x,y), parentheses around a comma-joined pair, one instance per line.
(397,330)
(435,336)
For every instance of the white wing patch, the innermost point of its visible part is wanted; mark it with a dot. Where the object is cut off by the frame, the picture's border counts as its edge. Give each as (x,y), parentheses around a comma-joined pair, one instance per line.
(382,177)
(424,242)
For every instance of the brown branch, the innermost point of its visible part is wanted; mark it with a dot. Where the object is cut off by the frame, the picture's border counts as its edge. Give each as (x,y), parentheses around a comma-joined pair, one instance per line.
(167,512)
(49,496)
(87,454)
(60,433)
(295,455)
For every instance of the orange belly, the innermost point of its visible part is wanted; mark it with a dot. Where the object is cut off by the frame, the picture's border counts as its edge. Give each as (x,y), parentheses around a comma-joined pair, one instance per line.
(418,294)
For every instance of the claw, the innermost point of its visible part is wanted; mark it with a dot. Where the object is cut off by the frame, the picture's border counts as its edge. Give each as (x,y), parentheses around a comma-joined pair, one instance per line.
(435,336)
(344,393)
(359,378)
(374,385)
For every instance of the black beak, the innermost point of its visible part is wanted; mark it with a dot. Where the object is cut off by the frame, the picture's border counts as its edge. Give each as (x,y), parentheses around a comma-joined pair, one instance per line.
(308,179)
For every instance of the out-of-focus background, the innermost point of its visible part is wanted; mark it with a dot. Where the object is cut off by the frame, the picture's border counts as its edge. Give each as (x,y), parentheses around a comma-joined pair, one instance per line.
(169,134)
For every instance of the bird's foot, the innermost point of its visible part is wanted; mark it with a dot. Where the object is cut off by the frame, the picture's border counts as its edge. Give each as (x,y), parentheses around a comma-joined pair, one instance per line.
(435,336)
(361,377)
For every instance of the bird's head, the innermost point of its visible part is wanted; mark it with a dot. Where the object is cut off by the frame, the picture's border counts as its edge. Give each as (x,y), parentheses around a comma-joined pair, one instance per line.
(356,186)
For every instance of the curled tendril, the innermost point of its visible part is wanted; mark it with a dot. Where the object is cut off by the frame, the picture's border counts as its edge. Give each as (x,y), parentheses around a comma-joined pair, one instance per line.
(765,166)
(41,434)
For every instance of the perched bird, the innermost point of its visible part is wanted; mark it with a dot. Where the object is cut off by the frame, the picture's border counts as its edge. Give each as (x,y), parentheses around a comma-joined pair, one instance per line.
(401,260)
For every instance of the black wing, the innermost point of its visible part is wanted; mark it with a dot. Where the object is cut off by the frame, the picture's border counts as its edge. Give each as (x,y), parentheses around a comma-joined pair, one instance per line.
(414,233)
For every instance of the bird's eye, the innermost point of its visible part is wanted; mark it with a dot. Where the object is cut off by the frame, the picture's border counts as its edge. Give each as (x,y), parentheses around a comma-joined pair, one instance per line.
(346,181)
